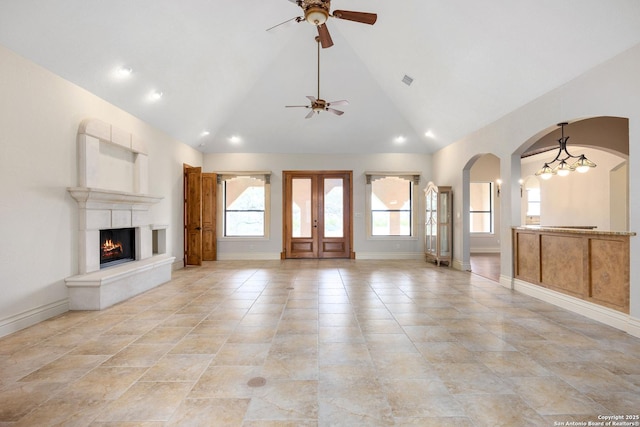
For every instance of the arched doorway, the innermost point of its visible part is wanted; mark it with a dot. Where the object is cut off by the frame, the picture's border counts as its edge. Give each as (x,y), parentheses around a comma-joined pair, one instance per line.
(481,215)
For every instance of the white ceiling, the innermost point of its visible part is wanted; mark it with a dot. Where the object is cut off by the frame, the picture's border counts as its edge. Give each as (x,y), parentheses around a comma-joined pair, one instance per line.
(221,71)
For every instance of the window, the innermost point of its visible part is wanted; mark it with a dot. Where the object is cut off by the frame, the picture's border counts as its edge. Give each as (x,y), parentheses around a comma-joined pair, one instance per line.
(533,202)
(481,207)
(391,205)
(244,201)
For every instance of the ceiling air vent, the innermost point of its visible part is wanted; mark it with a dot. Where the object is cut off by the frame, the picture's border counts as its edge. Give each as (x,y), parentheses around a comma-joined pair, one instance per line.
(407,80)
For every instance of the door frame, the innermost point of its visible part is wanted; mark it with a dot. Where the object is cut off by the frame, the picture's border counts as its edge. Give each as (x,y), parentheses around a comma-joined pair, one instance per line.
(348,206)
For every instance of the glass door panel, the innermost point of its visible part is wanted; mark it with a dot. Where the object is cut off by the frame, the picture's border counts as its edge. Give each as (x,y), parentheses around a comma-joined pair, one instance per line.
(333,207)
(301,213)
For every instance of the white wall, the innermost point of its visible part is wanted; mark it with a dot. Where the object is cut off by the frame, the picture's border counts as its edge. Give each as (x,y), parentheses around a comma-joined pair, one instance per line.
(270,248)
(619,193)
(611,89)
(39,118)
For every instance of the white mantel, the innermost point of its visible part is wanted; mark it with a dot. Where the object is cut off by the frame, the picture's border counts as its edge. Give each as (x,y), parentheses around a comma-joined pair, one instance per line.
(96,197)
(100,144)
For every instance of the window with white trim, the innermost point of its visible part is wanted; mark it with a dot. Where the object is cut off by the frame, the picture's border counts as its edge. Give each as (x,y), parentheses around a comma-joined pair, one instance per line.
(244,204)
(391,204)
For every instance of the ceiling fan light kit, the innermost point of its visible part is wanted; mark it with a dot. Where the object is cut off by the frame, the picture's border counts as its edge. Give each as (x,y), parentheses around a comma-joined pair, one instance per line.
(316,15)
(318,12)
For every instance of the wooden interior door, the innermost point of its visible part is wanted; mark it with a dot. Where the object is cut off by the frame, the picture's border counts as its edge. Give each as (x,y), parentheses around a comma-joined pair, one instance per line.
(192,215)
(209,185)
(317,214)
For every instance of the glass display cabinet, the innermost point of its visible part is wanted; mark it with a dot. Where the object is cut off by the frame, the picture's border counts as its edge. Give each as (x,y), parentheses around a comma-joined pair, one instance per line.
(438,224)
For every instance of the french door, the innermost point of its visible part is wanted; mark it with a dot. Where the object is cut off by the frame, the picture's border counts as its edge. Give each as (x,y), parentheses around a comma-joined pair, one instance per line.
(317,214)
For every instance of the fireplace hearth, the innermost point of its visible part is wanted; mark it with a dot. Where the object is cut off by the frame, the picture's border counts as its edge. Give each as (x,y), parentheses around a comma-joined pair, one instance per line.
(117,246)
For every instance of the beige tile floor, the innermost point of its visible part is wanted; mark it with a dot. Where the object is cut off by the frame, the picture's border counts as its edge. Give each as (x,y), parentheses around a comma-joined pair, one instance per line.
(337,343)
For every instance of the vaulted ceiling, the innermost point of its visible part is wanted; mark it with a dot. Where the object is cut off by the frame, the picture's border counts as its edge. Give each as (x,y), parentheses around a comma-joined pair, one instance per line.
(225,80)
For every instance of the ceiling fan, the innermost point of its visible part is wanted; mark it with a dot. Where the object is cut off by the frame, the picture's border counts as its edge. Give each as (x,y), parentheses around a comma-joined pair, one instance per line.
(318,104)
(317,12)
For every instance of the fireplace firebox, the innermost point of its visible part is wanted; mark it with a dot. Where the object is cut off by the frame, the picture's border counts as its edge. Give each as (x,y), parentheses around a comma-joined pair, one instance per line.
(117,246)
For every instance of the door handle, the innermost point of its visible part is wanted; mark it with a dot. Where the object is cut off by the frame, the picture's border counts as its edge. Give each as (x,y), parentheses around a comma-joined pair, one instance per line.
(198,228)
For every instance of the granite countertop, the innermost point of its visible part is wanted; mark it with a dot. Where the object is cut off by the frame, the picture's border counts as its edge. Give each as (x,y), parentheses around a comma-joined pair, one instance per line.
(573,230)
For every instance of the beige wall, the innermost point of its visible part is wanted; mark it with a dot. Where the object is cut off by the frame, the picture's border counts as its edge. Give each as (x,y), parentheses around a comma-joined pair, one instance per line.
(39,118)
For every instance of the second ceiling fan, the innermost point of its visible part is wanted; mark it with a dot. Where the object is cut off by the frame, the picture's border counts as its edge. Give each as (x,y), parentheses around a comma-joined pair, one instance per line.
(318,104)
(317,12)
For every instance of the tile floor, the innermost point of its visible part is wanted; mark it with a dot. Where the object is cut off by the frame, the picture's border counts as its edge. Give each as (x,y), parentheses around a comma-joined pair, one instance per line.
(319,343)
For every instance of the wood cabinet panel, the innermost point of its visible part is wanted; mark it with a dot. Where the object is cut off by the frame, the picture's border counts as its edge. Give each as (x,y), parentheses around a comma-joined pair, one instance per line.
(561,264)
(527,257)
(593,266)
(610,273)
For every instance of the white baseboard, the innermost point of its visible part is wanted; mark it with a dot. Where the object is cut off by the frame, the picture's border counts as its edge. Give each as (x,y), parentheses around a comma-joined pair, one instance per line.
(248,256)
(177,264)
(506,281)
(487,250)
(11,324)
(459,265)
(634,327)
(605,315)
(390,255)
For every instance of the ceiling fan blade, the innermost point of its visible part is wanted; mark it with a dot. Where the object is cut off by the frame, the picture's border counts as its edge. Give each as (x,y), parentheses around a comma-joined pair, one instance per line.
(334,111)
(308,116)
(296,106)
(286,23)
(341,102)
(325,37)
(363,17)
(311,98)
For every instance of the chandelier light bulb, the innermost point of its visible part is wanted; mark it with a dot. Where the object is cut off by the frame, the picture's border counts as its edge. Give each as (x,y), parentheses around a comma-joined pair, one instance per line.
(583,164)
(546,172)
(582,169)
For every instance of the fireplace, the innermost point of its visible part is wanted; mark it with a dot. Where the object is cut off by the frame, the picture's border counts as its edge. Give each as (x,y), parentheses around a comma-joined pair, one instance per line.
(115,221)
(117,246)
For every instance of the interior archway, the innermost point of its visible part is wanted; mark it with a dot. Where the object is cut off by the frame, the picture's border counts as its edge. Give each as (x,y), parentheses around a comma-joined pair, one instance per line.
(580,200)
(481,215)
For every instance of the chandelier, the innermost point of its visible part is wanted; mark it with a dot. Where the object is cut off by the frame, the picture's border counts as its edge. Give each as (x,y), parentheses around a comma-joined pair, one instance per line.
(559,165)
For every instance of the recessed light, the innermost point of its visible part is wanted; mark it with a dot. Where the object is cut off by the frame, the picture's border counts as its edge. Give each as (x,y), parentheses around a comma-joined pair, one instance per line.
(205,133)
(155,95)
(234,139)
(400,139)
(124,71)
(429,134)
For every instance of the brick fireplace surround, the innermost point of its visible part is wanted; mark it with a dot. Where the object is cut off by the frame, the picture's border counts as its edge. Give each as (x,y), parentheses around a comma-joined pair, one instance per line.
(99,209)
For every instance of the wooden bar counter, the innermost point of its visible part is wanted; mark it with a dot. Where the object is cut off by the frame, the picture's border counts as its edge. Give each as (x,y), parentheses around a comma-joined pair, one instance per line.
(581,262)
